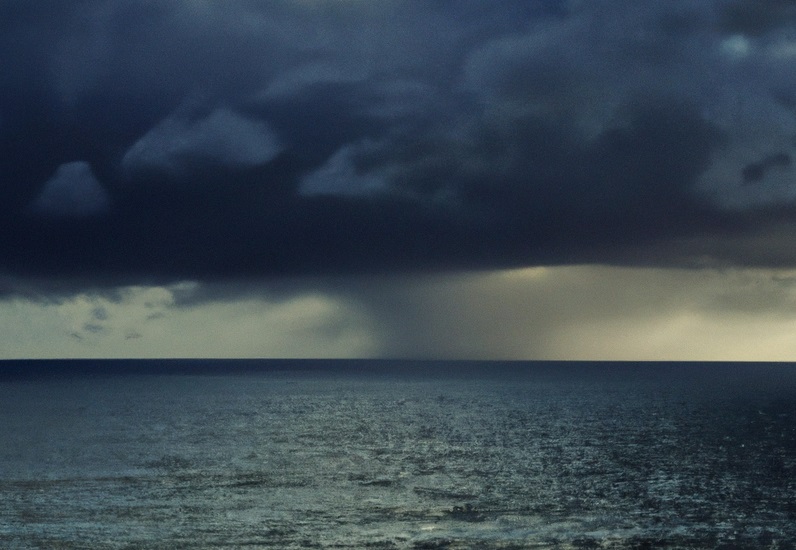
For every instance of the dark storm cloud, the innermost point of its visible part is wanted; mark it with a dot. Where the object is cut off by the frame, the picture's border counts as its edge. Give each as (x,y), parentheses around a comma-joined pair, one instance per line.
(756,17)
(73,191)
(756,171)
(153,141)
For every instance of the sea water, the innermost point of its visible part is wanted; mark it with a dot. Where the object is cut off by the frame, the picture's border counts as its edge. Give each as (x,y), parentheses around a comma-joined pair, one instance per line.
(397,455)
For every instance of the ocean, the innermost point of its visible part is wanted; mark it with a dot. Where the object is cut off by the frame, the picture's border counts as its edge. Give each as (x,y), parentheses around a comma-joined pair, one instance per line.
(396,454)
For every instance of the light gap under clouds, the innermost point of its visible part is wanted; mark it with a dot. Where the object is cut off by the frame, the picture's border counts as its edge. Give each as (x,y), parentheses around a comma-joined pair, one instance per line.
(561,313)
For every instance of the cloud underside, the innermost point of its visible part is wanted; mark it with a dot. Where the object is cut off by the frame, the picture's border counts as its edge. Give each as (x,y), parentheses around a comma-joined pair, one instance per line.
(151,143)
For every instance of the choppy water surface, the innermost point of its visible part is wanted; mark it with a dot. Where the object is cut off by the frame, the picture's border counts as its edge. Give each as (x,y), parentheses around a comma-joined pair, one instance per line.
(630,457)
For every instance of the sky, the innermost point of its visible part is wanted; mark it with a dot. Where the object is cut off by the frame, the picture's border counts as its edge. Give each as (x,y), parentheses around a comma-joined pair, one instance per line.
(524,179)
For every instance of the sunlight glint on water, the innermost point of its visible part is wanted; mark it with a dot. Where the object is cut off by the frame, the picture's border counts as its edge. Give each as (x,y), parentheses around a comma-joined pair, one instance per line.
(280,460)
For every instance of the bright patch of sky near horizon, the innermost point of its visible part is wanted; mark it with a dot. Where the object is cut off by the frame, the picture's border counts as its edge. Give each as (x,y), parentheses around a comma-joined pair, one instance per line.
(568,313)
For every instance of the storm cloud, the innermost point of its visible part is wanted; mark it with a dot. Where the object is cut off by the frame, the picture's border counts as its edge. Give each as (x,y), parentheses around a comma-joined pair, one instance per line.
(148,143)
(757,170)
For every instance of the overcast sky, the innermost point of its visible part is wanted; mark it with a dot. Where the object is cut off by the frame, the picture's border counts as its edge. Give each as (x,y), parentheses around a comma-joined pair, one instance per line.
(590,179)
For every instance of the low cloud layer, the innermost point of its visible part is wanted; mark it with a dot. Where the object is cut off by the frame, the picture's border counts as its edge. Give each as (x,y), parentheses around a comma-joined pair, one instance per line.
(153,321)
(157,142)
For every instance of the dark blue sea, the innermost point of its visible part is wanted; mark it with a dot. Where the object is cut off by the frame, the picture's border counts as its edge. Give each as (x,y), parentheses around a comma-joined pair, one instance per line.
(392,454)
